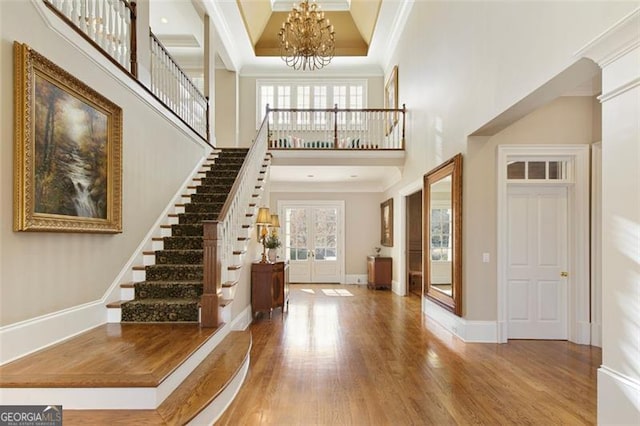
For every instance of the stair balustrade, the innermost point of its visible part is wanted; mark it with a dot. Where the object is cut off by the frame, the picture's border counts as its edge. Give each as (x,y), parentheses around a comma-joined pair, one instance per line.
(221,235)
(110,25)
(175,89)
(336,128)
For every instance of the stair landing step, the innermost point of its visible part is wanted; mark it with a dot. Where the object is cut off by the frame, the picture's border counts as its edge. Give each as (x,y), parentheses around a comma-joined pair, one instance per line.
(208,380)
(101,357)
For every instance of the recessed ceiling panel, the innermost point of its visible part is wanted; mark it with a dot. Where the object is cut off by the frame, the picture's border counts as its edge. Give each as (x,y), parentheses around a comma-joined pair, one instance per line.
(349,41)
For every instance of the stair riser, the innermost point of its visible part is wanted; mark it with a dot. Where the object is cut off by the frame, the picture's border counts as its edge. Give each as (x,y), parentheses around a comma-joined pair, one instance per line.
(235,166)
(193,218)
(209,198)
(221,174)
(218,181)
(203,208)
(168,291)
(193,230)
(183,243)
(187,312)
(214,189)
(174,273)
(170,257)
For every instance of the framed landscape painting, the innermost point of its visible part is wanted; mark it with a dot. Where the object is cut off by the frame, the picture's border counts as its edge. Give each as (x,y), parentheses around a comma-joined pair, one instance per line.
(67,151)
(386,223)
(391,99)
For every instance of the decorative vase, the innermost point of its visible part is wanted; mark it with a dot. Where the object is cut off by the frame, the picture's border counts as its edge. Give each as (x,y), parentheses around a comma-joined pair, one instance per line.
(272,254)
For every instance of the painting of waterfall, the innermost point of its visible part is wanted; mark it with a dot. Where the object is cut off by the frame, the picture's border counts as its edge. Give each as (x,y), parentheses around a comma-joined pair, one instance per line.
(70,154)
(68,144)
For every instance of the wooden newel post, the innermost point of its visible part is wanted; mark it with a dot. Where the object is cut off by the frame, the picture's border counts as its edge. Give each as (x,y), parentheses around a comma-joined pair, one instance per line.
(212,278)
(404,115)
(134,42)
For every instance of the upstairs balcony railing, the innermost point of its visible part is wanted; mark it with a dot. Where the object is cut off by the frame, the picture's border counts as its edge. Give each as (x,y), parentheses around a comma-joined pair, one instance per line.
(110,26)
(336,128)
(176,90)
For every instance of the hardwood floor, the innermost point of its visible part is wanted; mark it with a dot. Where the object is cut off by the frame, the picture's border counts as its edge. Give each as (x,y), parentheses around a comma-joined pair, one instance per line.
(372,358)
(111,355)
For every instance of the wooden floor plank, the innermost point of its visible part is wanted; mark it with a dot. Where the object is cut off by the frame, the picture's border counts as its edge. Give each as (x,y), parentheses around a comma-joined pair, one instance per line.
(111,355)
(373,358)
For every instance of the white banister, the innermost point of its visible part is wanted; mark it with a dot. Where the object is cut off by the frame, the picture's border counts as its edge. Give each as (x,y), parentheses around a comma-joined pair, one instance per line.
(371,129)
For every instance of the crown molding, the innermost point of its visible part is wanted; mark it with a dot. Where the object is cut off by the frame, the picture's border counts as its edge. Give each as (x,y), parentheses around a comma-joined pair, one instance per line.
(620,39)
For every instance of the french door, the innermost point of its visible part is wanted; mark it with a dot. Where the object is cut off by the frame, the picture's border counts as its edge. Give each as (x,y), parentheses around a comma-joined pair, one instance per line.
(313,240)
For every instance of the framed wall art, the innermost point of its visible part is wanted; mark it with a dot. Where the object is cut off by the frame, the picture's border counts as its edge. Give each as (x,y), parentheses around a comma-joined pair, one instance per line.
(386,223)
(391,99)
(67,153)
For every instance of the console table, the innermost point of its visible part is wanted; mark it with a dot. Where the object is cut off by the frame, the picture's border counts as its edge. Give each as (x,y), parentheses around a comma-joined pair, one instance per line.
(269,287)
(379,272)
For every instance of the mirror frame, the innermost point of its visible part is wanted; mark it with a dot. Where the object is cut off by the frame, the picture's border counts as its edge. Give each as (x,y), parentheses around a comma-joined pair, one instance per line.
(453,168)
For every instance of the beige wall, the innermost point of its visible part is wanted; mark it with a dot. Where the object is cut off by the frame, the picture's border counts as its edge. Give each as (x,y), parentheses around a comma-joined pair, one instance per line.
(40,272)
(362,223)
(226,108)
(480,58)
(375,91)
(567,120)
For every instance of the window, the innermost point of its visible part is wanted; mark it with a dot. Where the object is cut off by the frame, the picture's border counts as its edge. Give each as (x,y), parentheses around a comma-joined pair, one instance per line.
(309,94)
(441,234)
(538,170)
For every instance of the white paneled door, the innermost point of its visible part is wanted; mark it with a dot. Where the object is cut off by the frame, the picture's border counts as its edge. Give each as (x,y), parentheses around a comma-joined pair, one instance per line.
(312,242)
(537,277)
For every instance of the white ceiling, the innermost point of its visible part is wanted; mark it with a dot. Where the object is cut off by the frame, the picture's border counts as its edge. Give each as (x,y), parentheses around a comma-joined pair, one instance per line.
(171,18)
(333,178)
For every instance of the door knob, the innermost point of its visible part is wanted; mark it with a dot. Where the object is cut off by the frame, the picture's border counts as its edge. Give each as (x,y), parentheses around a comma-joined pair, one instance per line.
(564,274)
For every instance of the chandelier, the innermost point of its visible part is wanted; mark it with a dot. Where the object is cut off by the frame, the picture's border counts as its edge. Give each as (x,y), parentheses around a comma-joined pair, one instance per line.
(307,40)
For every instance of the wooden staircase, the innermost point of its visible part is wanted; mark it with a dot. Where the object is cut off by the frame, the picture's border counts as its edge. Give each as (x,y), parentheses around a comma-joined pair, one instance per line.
(167,287)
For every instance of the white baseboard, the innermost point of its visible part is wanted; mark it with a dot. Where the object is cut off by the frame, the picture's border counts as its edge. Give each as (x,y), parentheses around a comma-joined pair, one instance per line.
(468,331)
(618,398)
(596,335)
(355,279)
(243,320)
(31,335)
(398,288)
(583,334)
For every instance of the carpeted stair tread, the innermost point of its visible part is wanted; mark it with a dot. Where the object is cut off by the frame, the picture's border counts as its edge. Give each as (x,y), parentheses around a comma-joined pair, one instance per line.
(179,257)
(196,207)
(174,272)
(187,230)
(160,310)
(183,243)
(211,197)
(168,290)
(189,218)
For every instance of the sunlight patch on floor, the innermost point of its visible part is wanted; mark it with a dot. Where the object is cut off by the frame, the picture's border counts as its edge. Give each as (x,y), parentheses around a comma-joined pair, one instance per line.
(308,290)
(339,292)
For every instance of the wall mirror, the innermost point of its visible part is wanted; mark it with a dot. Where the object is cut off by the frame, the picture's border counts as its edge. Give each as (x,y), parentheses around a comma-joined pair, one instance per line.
(442,222)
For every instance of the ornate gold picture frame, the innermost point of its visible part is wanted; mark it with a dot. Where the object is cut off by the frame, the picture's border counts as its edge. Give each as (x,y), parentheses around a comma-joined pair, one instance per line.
(386,223)
(67,151)
(391,99)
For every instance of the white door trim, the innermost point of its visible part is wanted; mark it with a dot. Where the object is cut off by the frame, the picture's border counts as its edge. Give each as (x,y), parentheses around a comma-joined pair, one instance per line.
(578,234)
(341,227)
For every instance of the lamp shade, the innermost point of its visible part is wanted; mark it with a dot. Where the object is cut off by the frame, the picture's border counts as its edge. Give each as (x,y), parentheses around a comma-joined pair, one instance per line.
(275,221)
(264,218)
